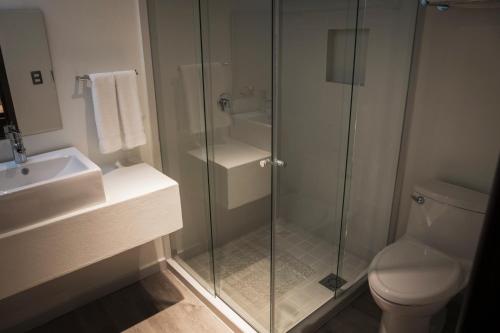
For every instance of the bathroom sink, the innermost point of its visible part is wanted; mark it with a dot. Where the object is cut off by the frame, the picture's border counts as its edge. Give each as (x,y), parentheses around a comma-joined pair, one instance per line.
(47,185)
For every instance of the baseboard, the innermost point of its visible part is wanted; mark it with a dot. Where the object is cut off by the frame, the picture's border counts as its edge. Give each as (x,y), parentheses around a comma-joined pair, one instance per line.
(152,268)
(192,251)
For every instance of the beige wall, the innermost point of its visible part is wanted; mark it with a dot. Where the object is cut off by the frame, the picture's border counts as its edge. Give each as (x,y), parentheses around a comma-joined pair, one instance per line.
(175,42)
(87,37)
(25,48)
(314,120)
(379,108)
(454,108)
(84,37)
(175,39)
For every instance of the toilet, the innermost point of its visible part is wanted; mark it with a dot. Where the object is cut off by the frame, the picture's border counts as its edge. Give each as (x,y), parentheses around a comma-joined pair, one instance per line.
(415,277)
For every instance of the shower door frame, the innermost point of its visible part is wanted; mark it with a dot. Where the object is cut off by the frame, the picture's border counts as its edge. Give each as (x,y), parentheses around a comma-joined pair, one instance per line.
(275,40)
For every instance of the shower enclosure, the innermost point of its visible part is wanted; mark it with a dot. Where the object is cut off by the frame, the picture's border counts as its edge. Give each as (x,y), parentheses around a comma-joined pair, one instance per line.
(281,121)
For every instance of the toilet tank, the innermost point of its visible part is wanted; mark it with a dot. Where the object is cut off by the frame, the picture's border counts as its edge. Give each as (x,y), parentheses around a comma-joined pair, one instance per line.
(449,218)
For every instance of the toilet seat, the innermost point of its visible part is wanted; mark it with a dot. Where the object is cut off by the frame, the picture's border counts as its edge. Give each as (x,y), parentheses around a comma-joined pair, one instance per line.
(411,273)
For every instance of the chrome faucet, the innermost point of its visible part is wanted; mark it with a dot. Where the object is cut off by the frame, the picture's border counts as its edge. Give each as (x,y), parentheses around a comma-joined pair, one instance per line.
(224,102)
(16,143)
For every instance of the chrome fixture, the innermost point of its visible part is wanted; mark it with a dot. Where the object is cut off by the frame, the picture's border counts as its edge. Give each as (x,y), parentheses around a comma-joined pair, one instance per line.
(444,5)
(439,6)
(418,199)
(16,143)
(275,163)
(86,77)
(224,102)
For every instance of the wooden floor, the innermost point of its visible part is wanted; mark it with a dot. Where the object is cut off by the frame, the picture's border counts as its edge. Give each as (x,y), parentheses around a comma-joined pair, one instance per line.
(159,303)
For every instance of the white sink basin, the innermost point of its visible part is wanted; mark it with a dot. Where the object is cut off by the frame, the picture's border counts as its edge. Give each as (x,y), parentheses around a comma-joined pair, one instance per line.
(47,185)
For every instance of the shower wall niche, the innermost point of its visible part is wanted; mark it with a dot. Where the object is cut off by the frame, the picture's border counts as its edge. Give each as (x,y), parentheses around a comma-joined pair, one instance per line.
(242,86)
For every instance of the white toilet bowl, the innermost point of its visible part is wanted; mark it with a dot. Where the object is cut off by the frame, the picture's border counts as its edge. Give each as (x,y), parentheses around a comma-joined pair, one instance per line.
(411,282)
(404,318)
(412,279)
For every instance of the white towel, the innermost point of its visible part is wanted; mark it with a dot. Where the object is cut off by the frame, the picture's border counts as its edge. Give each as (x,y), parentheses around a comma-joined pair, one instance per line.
(192,85)
(106,112)
(130,109)
(193,96)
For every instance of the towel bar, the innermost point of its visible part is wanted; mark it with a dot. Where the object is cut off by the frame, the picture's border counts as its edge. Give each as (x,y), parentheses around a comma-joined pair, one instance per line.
(86,77)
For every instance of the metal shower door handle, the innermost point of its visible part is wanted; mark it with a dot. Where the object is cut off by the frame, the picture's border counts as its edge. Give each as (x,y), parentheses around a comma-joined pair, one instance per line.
(275,163)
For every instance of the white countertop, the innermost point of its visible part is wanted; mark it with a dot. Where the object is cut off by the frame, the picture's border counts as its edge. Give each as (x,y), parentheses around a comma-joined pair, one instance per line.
(120,185)
(232,153)
(134,181)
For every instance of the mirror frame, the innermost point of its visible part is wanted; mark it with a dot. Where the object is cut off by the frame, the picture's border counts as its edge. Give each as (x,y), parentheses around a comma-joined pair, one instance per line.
(6,99)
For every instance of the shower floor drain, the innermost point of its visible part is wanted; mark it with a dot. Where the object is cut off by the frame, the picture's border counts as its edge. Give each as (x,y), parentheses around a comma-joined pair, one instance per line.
(332,282)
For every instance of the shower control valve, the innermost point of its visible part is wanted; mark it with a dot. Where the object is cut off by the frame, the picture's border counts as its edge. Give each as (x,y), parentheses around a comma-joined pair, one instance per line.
(418,199)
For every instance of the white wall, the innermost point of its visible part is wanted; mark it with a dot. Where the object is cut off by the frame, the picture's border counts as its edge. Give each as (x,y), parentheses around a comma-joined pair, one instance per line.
(87,37)
(314,121)
(379,109)
(251,49)
(313,117)
(25,48)
(454,110)
(175,39)
(84,37)
(175,42)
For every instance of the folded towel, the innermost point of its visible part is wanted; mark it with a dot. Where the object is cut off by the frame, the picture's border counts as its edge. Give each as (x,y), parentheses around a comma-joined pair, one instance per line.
(130,109)
(106,112)
(192,85)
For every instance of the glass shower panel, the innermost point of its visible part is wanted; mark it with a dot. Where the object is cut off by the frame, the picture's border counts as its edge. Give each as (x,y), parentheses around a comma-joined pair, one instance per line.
(237,61)
(315,51)
(383,52)
(176,54)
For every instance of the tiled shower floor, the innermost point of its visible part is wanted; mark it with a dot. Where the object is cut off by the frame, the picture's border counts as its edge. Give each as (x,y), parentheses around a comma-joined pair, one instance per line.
(242,267)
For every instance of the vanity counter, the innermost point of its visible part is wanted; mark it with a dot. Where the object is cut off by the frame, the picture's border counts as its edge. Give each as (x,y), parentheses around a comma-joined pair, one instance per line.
(142,204)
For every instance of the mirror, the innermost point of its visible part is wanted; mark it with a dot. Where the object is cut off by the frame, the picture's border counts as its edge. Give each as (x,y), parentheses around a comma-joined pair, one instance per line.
(28,79)
(250,61)
(6,108)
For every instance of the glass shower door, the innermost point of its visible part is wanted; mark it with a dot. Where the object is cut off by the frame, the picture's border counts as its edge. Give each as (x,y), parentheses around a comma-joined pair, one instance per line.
(242,86)
(278,78)
(237,60)
(181,123)
(314,75)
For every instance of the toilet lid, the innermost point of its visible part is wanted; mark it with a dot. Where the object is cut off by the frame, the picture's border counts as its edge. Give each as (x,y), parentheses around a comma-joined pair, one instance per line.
(411,273)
